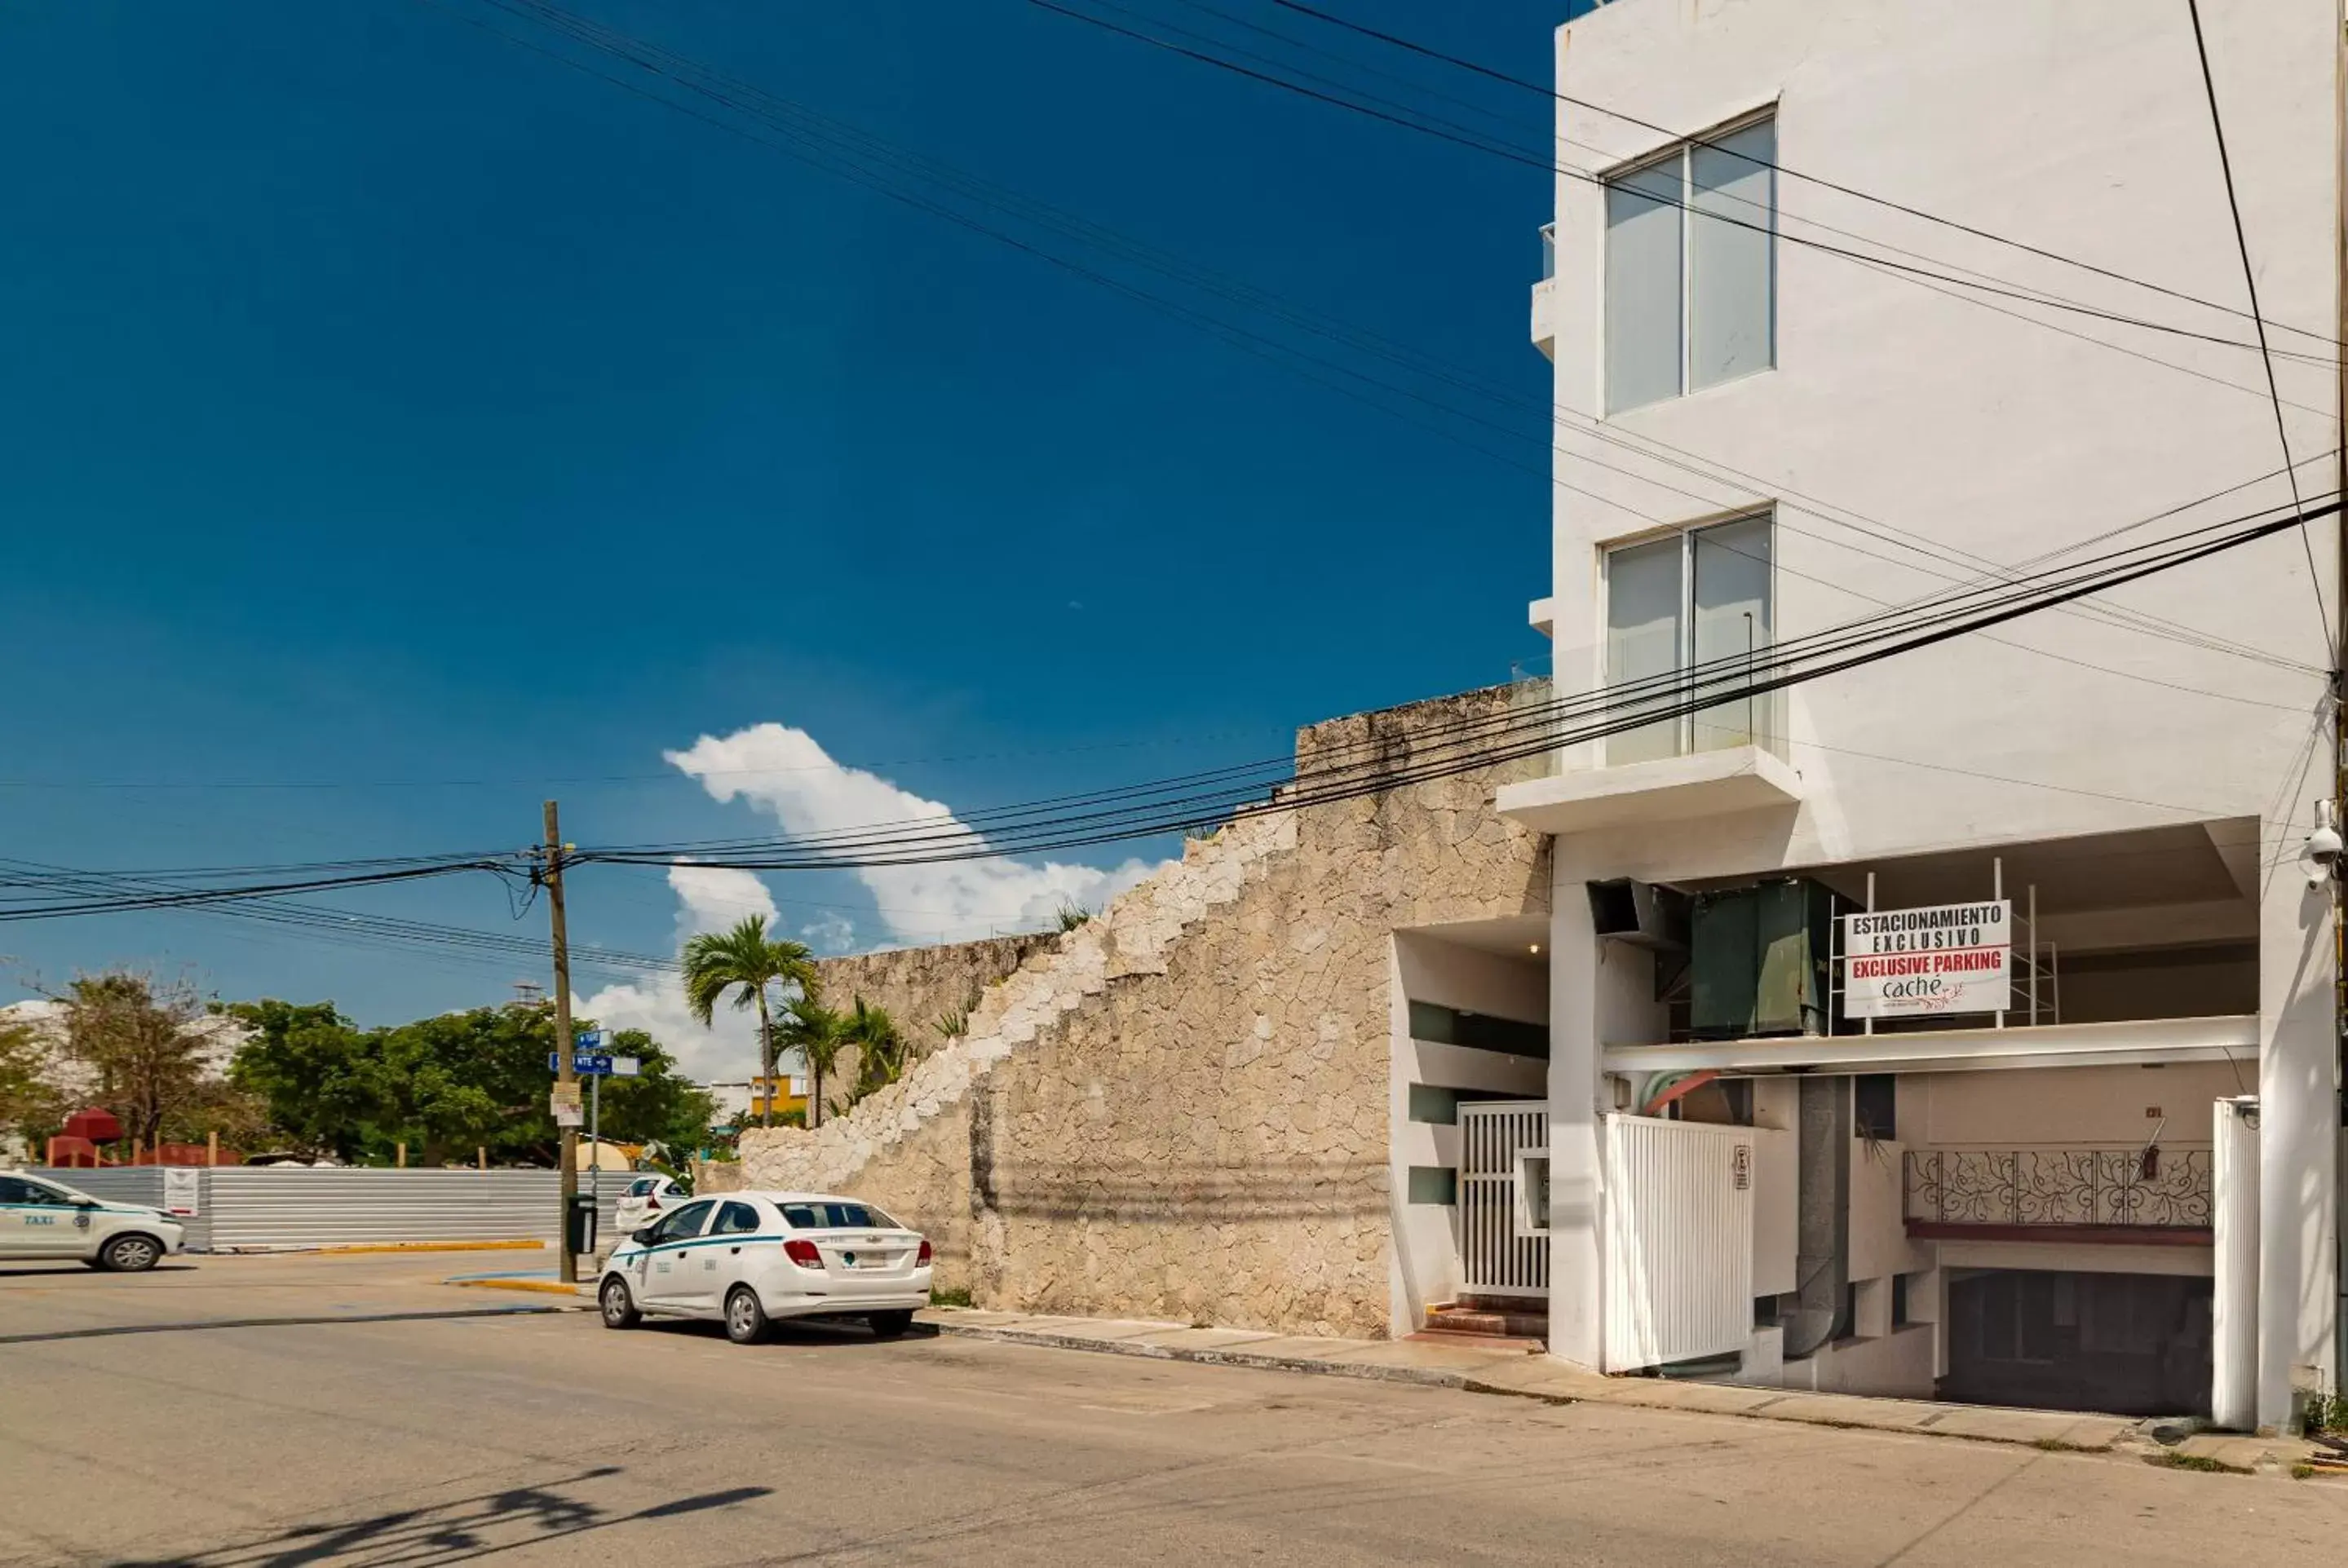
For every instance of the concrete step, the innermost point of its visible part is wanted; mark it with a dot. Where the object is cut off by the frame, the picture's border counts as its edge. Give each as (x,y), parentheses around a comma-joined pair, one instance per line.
(1514,1320)
(1467,1339)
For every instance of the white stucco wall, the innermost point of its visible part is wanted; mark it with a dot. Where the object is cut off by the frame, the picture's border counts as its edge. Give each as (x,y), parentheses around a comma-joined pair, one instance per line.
(1429,968)
(1898,414)
(2074,1106)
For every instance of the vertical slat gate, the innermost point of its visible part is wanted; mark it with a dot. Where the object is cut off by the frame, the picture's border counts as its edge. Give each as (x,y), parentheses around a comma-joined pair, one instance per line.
(1496,1256)
(1678,1241)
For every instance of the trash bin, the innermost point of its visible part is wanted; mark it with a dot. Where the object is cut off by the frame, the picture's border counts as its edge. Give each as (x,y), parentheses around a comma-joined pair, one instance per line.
(580,1225)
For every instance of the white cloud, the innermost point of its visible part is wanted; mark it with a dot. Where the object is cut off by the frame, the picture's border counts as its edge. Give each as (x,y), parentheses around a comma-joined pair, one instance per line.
(783,772)
(829,933)
(709,899)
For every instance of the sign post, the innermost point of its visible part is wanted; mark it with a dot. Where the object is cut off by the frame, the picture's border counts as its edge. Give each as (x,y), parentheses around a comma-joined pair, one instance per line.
(1922,963)
(591,1061)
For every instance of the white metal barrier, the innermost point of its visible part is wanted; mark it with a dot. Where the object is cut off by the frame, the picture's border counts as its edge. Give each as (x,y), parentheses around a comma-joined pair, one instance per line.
(1503,1247)
(297,1205)
(1679,1241)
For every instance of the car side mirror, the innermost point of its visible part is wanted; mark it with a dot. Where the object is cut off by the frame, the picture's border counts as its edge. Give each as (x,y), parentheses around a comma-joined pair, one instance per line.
(643,1237)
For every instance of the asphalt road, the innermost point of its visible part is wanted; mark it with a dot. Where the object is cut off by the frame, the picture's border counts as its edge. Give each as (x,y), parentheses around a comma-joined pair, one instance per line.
(545,1438)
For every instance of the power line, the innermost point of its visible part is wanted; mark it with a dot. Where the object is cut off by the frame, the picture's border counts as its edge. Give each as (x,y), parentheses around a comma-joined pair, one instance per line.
(1559,96)
(1428,125)
(1225,786)
(1613,709)
(1539,729)
(2251,282)
(808,130)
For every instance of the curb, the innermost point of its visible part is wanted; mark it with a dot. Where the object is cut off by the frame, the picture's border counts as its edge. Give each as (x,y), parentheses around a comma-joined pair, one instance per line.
(352,1248)
(1238,1355)
(548,1287)
(2125,1446)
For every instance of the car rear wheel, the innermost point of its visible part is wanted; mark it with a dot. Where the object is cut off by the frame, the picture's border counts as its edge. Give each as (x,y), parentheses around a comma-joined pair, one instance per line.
(618,1306)
(888,1325)
(129,1255)
(745,1321)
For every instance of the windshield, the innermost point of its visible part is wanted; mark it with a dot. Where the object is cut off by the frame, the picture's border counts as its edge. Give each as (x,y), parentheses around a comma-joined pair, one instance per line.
(836,1217)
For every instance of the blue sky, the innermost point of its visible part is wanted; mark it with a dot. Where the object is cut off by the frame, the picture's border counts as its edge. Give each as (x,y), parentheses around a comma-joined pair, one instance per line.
(393,410)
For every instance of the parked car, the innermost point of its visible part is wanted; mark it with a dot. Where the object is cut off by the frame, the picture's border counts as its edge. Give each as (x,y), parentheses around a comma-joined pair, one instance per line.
(748,1260)
(647,1199)
(44,1219)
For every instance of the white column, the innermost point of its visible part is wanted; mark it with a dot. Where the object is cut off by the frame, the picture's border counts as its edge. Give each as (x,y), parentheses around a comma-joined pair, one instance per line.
(2234,1312)
(1576,1286)
(2298,1130)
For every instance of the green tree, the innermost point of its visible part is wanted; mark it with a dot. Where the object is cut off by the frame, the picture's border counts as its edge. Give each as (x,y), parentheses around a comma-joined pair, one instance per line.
(818,1033)
(655,1106)
(455,1082)
(444,1086)
(144,1042)
(315,1073)
(744,962)
(880,1049)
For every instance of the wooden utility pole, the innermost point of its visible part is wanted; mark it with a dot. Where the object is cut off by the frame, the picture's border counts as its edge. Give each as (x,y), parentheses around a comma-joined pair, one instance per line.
(566,1267)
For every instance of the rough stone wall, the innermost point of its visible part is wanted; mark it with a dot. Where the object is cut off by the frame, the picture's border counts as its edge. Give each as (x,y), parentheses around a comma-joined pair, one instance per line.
(1192,1122)
(919,986)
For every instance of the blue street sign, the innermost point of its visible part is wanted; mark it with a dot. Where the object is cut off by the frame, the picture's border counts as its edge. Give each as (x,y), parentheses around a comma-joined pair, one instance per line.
(585,1064)
(587,1040)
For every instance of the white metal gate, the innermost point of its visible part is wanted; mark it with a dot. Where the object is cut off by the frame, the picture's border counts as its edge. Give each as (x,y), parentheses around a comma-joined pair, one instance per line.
(1679,1241)
(1499,1254)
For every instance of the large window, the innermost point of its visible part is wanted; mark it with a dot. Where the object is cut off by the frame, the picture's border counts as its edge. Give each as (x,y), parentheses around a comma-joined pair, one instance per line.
(1697,601)
(1691,268)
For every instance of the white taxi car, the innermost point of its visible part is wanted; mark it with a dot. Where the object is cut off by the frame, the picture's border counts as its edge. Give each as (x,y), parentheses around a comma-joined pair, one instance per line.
(40,1218)
(647,1199)
(746,1259)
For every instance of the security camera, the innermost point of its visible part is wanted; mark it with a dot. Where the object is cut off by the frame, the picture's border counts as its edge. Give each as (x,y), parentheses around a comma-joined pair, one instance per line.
(2321,856)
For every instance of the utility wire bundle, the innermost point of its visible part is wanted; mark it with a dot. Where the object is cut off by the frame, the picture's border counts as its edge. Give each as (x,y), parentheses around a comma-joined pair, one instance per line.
(1206,799)
(1444,751)
(1450,401)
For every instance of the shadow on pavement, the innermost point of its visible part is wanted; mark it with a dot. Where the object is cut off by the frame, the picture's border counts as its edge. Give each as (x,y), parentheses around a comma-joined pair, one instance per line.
(457,1531)
(806,1333)
(13,1271)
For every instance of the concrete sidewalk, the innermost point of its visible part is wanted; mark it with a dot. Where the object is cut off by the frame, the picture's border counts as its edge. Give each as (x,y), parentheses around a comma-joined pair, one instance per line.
(1515,1373)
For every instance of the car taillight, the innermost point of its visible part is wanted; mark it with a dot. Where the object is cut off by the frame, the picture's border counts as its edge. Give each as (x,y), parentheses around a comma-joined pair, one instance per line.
(652,1205)
(921,1258)
(803,1252)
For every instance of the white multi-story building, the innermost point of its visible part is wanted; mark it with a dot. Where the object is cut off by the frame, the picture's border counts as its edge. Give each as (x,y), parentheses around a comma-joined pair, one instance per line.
(1783,406)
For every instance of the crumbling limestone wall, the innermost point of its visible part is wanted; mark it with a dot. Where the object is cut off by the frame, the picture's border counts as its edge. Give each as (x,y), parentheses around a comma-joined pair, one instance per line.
(919,986)
(1200,1131)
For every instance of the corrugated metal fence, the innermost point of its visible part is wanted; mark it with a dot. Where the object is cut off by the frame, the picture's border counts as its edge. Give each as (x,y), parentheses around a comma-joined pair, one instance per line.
(294,1205)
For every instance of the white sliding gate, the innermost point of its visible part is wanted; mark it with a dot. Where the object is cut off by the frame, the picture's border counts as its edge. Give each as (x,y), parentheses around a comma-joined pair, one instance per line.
(1679,1241)
(1503,1247)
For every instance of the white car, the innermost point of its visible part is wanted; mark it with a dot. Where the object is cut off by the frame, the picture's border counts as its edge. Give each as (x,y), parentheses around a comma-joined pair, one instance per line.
(648,1199)
(746,1259)
(44,1219)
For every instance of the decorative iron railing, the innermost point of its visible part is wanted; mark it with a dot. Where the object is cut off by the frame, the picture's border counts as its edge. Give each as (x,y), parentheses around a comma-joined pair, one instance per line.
(2167,1187)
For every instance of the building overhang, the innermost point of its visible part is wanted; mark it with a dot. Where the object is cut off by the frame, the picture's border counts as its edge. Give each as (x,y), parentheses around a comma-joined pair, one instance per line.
(1668,789)
(2233,1038)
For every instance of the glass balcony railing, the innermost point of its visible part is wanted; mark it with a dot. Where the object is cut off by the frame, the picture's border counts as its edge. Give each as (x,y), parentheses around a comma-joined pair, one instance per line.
(1548,251)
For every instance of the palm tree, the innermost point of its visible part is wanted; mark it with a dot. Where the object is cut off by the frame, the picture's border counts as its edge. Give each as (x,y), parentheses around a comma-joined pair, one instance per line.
(818,1033)
(746,961)
(880,1049)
